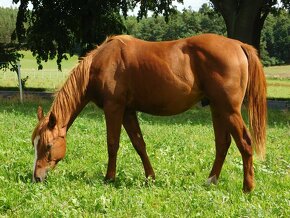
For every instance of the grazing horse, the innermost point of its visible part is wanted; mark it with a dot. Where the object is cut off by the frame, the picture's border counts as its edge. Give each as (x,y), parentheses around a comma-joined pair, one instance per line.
(124,75)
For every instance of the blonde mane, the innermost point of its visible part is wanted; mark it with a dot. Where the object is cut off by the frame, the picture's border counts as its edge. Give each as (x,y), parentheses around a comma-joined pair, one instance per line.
(70,94)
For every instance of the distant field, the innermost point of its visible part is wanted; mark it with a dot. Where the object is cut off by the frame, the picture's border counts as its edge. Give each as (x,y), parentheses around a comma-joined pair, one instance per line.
(49,79)
(278,81)
(278,72)
(29,62)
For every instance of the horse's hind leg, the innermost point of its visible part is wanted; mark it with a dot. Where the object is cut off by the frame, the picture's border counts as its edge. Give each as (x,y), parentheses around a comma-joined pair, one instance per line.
(222,144)
(232,123)
(243,141)
(113,115)
(132,127)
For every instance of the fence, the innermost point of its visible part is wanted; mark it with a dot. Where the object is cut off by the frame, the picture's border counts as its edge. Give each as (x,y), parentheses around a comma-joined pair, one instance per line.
(48,80)
(33,79)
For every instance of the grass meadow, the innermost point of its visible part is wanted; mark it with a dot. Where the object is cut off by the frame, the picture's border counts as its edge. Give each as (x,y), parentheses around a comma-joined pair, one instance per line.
(181,149)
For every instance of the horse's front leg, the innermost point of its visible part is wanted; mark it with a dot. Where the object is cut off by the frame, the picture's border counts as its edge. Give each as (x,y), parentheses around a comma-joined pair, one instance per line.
(114,116)
(130,122)
(222,143)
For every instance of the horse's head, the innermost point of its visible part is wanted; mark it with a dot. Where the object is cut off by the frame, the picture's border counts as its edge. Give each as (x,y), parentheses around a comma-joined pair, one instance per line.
(49,142)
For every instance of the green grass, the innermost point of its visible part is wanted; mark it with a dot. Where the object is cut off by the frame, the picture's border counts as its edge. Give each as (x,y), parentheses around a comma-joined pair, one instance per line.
(181,149)
(49,79)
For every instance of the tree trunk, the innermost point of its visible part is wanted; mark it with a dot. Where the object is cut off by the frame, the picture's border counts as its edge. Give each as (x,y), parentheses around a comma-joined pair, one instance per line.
(244,19)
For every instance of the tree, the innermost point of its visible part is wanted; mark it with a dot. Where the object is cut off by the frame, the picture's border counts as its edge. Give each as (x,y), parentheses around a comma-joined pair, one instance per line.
(9,56)
(210,21)
(180,25)
(68,26)
(8,49)
(245,18)
(7,24)
(281,33)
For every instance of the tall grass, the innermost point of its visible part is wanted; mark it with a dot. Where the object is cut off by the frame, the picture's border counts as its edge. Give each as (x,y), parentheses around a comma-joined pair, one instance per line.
(181,149)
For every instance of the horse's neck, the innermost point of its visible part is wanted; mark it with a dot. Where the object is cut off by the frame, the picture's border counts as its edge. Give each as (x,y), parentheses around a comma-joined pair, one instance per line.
(67,111)
(72,115)
(72,97)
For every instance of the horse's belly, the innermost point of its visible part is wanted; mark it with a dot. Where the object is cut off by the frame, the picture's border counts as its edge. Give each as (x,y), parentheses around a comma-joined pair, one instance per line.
(166,103)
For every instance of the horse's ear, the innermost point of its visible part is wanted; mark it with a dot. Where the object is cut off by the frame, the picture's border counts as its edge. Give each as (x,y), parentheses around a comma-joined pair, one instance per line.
(52,121)
(39,113)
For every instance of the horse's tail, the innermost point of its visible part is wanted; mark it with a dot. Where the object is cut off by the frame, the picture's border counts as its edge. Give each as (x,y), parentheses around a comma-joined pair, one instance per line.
(257,102)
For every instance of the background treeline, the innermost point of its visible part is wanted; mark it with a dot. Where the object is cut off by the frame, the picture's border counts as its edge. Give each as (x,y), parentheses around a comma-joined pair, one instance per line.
(275,40)
(7,24)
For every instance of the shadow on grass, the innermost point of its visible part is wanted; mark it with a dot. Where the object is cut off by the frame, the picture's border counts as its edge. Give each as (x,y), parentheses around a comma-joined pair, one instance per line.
(120,182)
(25,177)
(2,88)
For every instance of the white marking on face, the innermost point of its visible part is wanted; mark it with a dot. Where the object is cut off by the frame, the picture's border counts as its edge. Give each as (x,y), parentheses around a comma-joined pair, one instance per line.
(138,135)
(35,143)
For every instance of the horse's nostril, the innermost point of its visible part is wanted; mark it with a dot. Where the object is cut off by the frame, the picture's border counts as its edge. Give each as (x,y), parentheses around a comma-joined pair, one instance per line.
(37,179)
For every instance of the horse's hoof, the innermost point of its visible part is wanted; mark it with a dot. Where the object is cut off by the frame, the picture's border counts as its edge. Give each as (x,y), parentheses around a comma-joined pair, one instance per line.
(211,180)
(108,180)
(248,189)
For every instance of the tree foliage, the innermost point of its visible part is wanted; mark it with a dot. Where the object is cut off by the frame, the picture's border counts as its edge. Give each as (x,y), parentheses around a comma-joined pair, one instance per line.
(66,26)
(7,23)
(9,55)
(58,27)
(276,38)
(179,25)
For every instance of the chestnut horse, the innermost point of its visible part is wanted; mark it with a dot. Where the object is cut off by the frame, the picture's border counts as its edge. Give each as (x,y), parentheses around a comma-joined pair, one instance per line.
(125,75)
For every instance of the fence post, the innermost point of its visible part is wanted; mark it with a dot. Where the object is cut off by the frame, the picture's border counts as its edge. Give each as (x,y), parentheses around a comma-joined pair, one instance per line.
(19,81)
